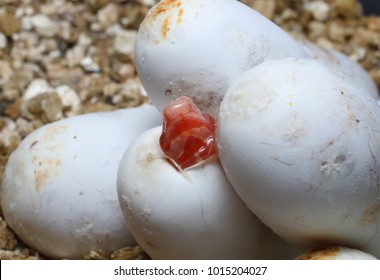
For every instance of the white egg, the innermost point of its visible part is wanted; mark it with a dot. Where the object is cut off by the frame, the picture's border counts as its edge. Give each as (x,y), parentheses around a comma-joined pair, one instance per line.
(344,64)
(194,214)
(300,142)
(59,189)
(198,48)
(336,253)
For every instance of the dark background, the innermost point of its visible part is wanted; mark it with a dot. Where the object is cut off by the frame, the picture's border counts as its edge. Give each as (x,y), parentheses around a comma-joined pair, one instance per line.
(371,7)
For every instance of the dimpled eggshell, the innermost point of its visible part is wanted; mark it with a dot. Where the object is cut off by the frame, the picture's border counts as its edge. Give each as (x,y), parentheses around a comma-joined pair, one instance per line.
(300,143)
(198,48)
(59,188)
(193,214)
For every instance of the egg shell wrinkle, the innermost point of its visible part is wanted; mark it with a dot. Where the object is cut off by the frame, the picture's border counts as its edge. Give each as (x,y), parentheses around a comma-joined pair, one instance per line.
(190,215)
(198,48)
(300,143)
(59,188)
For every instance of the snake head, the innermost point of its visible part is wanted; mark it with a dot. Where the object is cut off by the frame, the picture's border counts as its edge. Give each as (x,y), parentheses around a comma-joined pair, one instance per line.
(188,137)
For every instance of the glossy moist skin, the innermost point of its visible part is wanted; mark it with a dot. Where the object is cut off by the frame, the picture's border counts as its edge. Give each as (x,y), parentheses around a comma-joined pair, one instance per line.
(188,136)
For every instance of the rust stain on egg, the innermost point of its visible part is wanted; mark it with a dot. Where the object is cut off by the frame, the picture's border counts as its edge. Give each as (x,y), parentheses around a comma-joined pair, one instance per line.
(45,168)
(161,8)
(165,27)
(370,216)
(45,157)
(40,177)
(180,14)
(324,254)
(167,12)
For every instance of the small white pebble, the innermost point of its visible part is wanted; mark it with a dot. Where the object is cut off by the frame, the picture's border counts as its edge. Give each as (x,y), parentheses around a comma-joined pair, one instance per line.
(37,87)
(24,127)
(75,55)
(3,41)
(147,3)
(110,89)
(125,41)
(108,15)
(89,65)
(319,9)
(84,40)
(29,10)
(9,136)
(6,70)
(44,25)
(26,23)
(70,99)
(359,54)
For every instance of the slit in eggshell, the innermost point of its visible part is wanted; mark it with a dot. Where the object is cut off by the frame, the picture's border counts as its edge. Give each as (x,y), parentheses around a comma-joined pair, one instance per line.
(188,136)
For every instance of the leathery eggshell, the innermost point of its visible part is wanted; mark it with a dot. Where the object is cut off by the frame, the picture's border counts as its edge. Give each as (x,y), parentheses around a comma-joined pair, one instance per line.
(198,48)
(300,143)
(59,189)
(193,214)
(344,64)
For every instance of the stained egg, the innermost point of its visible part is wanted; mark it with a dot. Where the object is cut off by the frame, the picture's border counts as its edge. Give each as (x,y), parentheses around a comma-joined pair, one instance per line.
(188,136)
(303,152)
(172,39)
(58,192)
(238,38)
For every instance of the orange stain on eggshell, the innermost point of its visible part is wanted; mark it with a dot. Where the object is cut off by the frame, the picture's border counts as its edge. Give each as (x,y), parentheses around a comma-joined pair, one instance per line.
(166,9)
(163,7)
(45,168)
(165,27)
(180,14)
(324,254)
